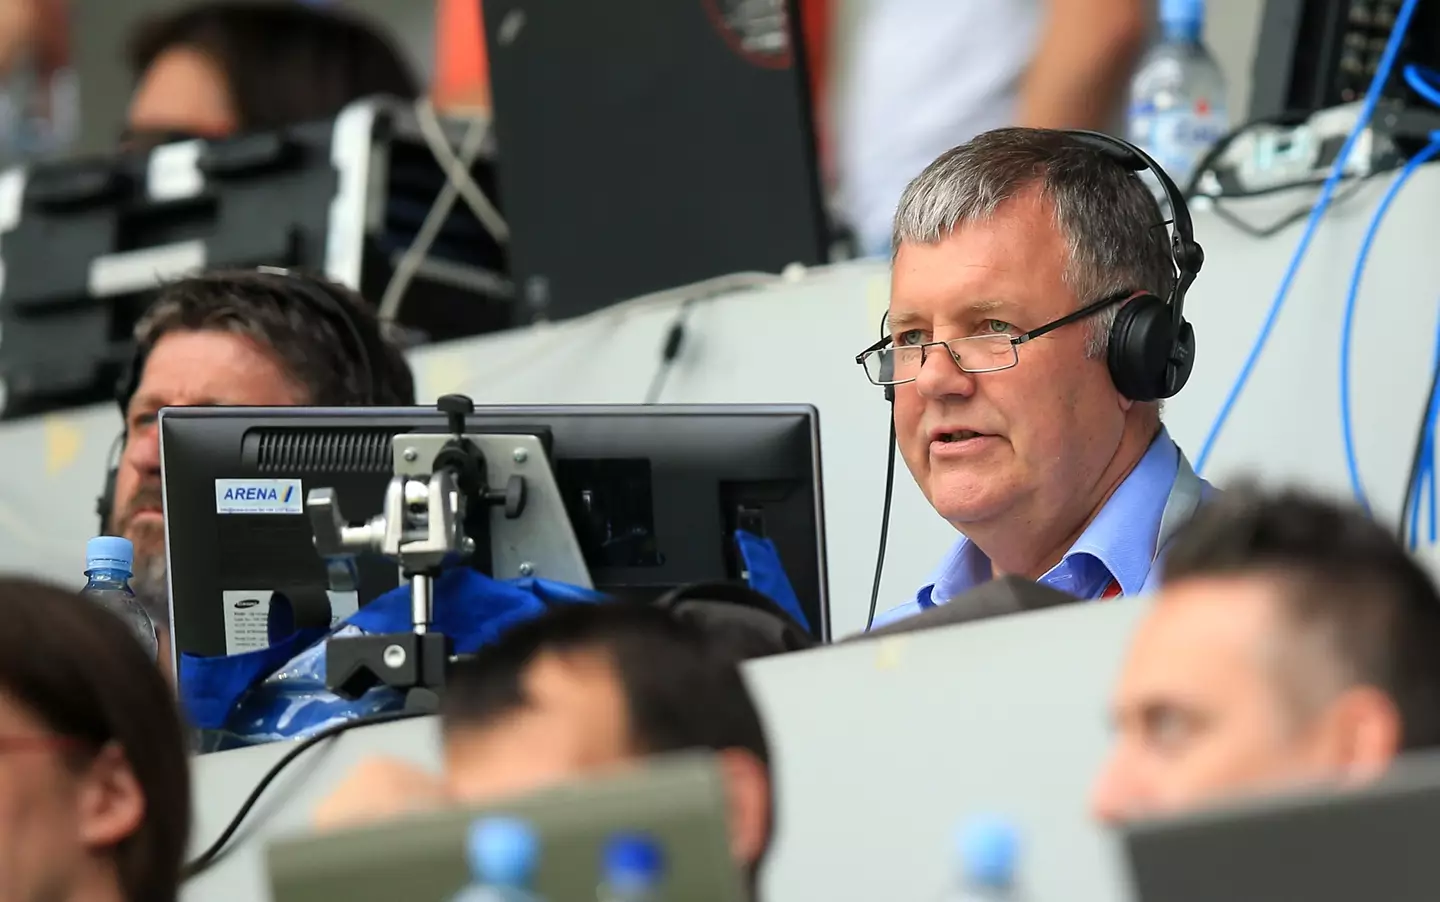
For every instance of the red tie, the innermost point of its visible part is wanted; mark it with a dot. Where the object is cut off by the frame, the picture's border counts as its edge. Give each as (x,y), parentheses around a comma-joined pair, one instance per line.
(1111,591)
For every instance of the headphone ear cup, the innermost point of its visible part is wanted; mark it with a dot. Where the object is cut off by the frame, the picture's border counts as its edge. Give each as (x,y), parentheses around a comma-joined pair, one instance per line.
(1142,344)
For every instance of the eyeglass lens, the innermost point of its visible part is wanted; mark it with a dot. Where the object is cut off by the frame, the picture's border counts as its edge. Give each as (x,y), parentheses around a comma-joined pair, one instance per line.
(976,354)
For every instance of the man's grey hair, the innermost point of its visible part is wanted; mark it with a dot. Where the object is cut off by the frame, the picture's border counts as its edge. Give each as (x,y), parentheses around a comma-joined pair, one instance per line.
(1112,223)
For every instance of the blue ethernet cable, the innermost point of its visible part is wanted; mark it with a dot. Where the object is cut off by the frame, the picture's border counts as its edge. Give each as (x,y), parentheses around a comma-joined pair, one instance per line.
(1327,191)
(1347,429)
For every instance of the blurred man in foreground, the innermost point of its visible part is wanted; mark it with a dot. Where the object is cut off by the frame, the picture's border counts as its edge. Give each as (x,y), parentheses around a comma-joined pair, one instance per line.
(1293,641)
(243,338)
(94,777)
(581,691)
(219,67)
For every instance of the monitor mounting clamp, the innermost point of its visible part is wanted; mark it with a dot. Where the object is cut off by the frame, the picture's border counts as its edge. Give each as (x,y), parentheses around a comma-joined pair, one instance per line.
(437,513)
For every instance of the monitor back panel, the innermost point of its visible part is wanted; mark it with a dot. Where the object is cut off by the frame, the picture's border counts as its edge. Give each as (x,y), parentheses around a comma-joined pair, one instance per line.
(654,495)
(650,144)
(1377,843)
(680,802)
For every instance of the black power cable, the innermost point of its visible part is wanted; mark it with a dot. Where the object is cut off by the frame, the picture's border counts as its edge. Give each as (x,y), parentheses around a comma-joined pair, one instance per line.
(884,525)
(674,341)
(1417,458)
(217,850)
(1284,222)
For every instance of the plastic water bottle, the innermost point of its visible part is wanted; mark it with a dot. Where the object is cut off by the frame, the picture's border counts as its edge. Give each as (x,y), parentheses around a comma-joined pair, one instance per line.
(633,868)
(988,850)
(109,562)
(39,111)
(1177,98)
(503,855)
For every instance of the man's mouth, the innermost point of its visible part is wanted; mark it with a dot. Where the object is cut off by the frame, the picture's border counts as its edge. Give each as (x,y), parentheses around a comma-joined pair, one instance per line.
(959,436)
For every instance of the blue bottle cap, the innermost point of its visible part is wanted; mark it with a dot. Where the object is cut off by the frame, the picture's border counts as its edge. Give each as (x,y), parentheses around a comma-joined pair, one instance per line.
(503,852)
(109,553)
(632,861)
(1182,12)
(989,847)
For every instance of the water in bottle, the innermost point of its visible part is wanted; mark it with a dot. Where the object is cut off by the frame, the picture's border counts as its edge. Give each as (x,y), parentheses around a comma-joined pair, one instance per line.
(504,854)
(632,869)
(1177,98)
(987,849)
(109,562)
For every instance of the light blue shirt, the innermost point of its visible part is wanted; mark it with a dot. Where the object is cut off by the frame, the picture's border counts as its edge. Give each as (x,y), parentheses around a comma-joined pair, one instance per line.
(1118,546)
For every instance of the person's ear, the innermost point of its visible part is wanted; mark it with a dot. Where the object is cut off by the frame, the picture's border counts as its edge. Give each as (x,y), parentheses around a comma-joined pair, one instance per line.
(111,802)
(1367,733)
(747,786)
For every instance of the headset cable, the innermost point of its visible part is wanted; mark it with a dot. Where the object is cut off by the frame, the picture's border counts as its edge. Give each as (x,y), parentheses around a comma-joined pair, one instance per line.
(884,524)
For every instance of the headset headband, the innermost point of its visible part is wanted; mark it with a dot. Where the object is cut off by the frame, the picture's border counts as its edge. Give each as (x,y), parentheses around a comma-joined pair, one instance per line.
(1184,250)
(315,295)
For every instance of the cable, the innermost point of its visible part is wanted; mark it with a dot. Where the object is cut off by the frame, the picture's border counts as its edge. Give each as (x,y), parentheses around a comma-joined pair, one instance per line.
(884,525)
(1290,119)
(434,221)
(1418,78)
(674,340)
(1367,111)
(217,850)
(1422,459)
(457,171)
(1348,323)
(1286,221)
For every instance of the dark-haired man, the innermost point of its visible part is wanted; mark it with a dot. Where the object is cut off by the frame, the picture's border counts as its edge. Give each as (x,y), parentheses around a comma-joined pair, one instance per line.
(94,777)
(220,67)
(583,690)
(242,338)
(1293,641)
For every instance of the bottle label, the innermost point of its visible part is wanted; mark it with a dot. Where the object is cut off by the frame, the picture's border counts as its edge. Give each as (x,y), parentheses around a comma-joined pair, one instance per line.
(1176,138)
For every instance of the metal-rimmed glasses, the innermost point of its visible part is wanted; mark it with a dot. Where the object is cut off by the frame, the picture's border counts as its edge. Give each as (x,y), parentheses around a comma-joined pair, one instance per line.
(887,364)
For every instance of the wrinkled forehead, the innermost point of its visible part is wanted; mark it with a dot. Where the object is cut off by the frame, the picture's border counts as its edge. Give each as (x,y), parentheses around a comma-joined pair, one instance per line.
(1014,263)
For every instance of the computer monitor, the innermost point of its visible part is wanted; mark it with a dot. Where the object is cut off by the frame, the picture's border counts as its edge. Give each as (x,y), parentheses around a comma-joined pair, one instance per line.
(678,801)
(654,496)
(1334,844)
(649,144)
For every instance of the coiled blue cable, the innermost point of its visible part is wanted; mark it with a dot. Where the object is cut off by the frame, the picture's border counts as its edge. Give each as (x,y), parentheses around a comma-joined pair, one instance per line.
(1347,430)
(1327,191)
(1418,78)
(1425,472)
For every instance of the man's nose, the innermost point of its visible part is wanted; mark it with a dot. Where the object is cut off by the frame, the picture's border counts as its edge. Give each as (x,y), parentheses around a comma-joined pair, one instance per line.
(1113,796)
(142,450)
(940,375)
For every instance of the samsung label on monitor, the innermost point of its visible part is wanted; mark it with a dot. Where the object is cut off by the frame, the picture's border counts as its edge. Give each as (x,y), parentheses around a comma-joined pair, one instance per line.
(259,496)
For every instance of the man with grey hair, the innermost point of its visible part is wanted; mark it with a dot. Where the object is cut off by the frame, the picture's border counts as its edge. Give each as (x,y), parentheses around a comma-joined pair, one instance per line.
(1015,252)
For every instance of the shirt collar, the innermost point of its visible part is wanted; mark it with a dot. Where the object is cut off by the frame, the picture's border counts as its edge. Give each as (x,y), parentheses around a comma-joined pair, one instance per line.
(1120,539)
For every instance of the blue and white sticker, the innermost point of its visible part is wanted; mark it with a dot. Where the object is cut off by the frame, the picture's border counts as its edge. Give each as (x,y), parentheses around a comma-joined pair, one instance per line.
(259,496)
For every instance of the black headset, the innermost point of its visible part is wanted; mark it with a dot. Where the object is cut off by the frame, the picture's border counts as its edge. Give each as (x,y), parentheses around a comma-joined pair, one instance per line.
(316,295)
(1152,346)
(731,605)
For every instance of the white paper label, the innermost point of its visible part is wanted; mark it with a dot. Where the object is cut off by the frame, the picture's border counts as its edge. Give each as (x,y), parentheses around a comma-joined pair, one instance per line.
(247,612)
(259,496)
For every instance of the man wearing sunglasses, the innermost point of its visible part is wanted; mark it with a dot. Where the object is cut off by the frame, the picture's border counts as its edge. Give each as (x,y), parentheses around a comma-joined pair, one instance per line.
(1014,255)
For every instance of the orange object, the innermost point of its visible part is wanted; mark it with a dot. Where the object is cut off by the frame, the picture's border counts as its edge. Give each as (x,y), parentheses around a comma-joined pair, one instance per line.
(815,17)
(462,64)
